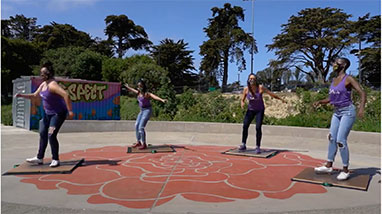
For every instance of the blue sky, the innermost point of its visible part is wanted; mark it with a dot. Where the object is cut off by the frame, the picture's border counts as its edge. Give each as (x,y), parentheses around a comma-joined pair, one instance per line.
(183,19)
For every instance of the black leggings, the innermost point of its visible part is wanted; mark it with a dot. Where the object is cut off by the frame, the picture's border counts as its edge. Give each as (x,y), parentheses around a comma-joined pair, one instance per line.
(259,122)
(54,123)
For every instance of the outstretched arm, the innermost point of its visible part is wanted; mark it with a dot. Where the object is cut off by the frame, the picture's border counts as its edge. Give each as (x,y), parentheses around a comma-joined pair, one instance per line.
(155,97)
(264,89)
(33,95)
(130,88)
(320,102)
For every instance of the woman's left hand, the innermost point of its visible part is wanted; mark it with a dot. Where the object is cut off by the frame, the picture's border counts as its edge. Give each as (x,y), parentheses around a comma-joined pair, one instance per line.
(70,115)
(360,113)
(165,101)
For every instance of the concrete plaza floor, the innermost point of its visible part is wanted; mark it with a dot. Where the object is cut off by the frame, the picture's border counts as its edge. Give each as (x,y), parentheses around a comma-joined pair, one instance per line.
(36,195)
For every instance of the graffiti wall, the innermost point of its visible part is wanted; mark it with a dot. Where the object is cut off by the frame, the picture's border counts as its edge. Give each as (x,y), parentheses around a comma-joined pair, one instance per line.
(91,100)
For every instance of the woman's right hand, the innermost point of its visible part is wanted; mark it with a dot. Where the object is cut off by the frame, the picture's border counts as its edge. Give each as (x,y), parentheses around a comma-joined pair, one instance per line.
(316,104)
(242,105)
(126,85)
(70,115)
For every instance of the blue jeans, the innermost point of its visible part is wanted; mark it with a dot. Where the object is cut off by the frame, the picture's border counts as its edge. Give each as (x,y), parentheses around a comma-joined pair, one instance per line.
(140,124)
(249,116)
(49,127)
(340,126)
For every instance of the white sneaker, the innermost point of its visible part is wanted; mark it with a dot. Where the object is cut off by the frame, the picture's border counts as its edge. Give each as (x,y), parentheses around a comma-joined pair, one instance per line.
(343,176)
(323,169)
(54,163)
(34,160)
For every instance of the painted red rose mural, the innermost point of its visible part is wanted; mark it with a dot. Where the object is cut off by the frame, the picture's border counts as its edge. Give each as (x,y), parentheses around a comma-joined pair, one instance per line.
(198,173)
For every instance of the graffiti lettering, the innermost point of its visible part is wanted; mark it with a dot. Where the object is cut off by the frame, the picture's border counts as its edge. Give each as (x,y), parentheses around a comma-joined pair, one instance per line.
(84,91)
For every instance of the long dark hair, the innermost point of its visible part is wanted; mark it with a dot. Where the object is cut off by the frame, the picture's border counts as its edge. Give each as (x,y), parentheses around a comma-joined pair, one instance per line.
(144,87)
(249,84)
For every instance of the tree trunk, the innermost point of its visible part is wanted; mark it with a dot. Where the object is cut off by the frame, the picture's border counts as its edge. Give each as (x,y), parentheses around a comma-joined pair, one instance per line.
(225,72)
(120,48)
(320,78)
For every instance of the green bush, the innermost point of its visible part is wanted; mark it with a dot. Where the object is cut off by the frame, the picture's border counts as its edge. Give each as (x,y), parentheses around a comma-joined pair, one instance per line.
(211,107)
(318,120)
(321,117)
(129,108)
(214,107)
(372,118)
(6,115)
(74,62)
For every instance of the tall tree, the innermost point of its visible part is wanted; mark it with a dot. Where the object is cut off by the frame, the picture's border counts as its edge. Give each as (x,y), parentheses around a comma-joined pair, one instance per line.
(19,27)
(6,28)
(62,35)
(297,75)
(23,27)
(178,61)
(368,30)
(271,76)
(104,47)
(126,34)
(75,62)
(144,67)
(264,77)
(17,59)
(312,40)
(226,43)
(210,66)
(286,76)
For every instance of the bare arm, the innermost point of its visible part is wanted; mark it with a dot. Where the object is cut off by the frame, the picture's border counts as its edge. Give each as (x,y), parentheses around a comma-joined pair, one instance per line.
(245,91)
(324,101)
(55,88)
(264,89)
(130,88)
(155,97)
(33,95)
(362,94)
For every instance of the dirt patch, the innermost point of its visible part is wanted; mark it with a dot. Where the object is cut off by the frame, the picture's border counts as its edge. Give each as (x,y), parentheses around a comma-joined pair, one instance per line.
(276,108)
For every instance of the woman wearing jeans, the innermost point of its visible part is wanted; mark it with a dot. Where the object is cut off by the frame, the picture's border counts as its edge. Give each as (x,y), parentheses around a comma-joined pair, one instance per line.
(145,113)
(57,105)
(254,94)
(343,117)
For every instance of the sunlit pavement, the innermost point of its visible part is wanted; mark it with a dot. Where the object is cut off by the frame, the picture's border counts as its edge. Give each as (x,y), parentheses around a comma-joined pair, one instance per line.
(194,179)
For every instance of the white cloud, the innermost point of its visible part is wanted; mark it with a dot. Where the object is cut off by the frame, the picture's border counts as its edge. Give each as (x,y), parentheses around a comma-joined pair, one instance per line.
(8,7)
(64,5)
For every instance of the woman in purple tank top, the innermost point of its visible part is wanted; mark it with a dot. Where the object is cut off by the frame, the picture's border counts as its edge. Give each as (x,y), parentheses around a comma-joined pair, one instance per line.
(254,94)
(57,105)
(144,115)
(343,117)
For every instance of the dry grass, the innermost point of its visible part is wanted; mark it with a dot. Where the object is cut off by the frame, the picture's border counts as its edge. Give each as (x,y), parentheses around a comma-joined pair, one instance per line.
(276,108)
